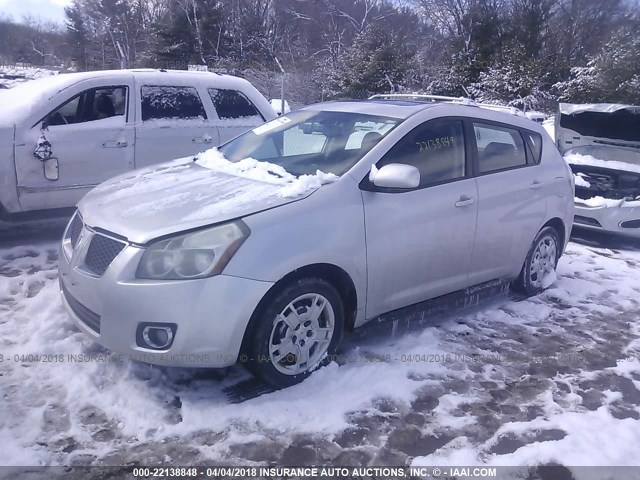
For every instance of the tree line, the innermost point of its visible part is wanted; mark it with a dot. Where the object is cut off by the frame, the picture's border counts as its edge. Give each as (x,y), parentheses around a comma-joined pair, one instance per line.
(526,53)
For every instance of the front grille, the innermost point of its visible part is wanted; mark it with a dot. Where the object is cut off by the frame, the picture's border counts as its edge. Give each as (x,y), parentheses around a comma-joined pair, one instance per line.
(75,229)
(586,221)
(86,316)
(102,251)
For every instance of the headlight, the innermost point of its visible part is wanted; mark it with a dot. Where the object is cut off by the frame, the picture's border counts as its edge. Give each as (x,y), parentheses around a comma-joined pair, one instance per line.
(199,254)
(72,235)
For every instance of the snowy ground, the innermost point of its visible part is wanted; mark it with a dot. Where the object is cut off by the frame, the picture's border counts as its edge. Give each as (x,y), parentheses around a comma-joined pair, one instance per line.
(553,379)
(10,76)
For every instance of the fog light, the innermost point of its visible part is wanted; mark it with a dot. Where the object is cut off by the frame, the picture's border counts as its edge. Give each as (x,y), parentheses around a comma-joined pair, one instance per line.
(156,336)
(630,224)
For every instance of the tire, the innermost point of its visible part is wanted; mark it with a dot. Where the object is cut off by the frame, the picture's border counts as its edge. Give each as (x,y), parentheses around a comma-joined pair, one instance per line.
(283,332)
(540,264)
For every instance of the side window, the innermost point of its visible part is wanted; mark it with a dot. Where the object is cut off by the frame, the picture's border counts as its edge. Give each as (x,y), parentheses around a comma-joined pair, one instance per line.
(171,103)
(435,148)
(535,142)
(91,105)
(231,104)
(499,148)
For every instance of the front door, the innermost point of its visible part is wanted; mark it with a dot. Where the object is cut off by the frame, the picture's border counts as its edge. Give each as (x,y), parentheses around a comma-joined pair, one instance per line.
(419,242)
(92,138)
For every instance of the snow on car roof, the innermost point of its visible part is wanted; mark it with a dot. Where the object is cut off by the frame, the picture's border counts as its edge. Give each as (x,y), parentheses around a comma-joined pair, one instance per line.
(405,108)
(387,108)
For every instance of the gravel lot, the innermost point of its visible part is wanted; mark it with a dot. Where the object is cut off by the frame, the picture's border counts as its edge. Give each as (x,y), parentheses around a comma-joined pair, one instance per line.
(553,379)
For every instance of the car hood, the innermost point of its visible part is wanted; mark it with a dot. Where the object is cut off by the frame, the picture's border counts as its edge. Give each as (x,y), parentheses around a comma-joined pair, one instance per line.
(178,196)
(597,124)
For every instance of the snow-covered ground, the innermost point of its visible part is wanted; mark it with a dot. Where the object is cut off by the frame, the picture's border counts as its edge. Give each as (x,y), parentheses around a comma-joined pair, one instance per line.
(554,379)
(10,76)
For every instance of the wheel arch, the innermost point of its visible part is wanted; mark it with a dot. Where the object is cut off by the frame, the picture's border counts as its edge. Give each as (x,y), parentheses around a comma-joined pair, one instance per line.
(558,225)
(333,274)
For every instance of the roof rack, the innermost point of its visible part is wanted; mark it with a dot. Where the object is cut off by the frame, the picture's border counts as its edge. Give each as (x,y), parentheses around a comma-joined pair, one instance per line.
(502,108)
(420,96)
(442,98)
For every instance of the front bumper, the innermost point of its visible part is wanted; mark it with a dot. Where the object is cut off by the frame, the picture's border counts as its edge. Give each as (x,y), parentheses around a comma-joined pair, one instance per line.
(608,218)
(211,314)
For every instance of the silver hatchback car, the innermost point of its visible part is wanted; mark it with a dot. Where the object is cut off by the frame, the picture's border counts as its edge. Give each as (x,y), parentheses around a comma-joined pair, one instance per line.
(270,247)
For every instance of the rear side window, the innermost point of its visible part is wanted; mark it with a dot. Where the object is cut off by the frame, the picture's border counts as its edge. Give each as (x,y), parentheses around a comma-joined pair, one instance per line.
(171,103)
(435,148)
(499,148)
(535,142)
(232,104)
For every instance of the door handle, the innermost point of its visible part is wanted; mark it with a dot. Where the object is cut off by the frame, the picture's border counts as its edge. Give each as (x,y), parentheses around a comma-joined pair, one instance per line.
(464,201)
(118,144)
(535,185)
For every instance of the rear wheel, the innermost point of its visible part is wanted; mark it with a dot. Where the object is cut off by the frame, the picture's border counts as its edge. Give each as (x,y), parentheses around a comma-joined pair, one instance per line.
(538,271)
(294,332)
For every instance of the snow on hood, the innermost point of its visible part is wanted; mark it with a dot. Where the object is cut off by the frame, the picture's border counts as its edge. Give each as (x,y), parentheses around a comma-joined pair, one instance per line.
(184,194)
(571,108)
(580,159)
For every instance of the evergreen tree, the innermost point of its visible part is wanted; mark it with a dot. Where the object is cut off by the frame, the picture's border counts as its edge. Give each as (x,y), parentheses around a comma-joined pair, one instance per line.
(613,75)
(379,61)
(77,36)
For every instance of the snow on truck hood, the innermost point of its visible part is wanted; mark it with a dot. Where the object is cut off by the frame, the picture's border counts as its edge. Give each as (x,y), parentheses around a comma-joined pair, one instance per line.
(192,192)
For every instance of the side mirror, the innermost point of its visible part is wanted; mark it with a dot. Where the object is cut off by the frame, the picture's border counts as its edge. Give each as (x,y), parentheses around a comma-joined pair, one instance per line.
(51,169)
(45,124)
(395,175)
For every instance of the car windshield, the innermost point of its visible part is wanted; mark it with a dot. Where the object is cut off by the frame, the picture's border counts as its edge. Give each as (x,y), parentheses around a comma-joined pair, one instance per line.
(306,141)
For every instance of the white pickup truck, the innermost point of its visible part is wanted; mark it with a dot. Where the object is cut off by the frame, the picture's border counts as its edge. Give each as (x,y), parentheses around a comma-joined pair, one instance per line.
(60,136)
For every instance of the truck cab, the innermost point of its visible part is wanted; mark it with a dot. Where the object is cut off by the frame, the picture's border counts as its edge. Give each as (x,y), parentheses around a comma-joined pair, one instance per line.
(63,135)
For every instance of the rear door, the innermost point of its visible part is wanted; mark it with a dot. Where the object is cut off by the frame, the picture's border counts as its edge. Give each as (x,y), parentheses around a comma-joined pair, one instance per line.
(91,133)
(512,191)
(419,241)
(173,123)
(235,112)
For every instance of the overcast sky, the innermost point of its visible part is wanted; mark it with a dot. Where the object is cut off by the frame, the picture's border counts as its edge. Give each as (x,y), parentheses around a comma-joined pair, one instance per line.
(46,9)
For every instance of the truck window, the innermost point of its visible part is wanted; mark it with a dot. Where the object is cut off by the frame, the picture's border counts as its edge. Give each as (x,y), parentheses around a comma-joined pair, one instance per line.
(91,105)
(232,104)
(160,102)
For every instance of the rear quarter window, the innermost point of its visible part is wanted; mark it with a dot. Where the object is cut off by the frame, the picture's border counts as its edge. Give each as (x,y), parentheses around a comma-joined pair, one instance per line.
(535,144)
(232,104)
(161,102)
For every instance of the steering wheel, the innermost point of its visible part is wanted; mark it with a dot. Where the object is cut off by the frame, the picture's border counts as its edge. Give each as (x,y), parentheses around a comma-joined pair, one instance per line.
(58,119)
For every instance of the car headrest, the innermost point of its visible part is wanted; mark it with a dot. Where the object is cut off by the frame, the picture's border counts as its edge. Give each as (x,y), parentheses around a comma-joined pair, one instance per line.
(497,148)
(104,105)
(370,139)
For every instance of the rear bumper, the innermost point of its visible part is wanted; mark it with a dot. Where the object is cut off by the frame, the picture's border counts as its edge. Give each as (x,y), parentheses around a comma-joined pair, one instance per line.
(609,219)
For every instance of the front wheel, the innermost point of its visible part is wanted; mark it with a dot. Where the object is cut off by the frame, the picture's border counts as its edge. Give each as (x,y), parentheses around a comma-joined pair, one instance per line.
(294,333)
(538,271)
